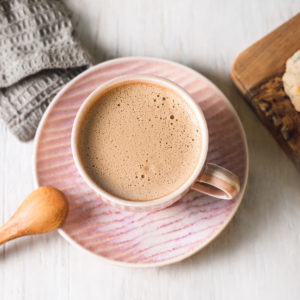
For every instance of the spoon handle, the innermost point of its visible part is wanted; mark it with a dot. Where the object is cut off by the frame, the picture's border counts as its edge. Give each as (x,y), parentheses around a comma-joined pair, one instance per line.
(8,232)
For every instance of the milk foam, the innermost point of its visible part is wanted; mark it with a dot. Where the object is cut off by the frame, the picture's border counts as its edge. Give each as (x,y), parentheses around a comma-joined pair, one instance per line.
(140,141)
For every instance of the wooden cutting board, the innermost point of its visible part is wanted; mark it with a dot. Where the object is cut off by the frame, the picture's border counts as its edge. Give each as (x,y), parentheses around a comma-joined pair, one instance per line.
(257,73)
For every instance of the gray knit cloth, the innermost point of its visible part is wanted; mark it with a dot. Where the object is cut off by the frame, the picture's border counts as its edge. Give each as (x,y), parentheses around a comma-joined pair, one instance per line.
(38,55)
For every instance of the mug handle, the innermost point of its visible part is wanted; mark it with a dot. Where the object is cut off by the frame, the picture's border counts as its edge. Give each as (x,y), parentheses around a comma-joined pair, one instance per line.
(217,182)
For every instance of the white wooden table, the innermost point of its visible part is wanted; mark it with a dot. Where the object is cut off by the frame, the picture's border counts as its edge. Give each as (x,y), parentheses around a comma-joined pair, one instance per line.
(258,255)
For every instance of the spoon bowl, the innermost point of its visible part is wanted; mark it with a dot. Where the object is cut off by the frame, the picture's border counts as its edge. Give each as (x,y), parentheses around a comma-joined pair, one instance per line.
(44,210)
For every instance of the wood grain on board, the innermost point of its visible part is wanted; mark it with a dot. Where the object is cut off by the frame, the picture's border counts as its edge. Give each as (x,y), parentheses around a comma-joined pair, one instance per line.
(257,73)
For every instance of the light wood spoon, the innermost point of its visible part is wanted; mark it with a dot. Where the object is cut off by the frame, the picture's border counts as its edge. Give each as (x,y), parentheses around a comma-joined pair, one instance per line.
(42,211)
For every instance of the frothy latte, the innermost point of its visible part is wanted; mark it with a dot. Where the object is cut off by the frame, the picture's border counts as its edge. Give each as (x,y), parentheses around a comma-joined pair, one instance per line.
(140,141)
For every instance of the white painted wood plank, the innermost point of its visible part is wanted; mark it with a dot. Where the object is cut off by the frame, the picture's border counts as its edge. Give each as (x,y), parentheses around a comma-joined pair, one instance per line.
(258,254)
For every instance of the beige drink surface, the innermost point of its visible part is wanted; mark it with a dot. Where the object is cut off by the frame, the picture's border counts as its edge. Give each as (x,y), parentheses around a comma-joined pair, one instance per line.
(140,141)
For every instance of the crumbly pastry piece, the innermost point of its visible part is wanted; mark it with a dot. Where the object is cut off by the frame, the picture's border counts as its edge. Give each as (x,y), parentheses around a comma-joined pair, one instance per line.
(291,79)
(38,55)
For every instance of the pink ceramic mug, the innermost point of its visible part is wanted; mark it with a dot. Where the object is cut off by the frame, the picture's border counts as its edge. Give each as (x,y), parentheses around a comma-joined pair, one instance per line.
(207,178)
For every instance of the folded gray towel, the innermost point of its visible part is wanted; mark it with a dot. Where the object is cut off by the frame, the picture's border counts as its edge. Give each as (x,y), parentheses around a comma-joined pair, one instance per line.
(38,55)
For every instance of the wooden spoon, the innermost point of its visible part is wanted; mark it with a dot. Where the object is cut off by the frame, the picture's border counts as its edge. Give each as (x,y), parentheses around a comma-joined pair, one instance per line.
(42,211)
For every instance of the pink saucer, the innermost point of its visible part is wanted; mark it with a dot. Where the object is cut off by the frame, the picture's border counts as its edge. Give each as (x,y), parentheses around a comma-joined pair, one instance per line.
(140,239)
